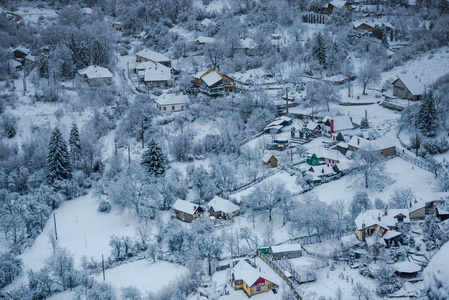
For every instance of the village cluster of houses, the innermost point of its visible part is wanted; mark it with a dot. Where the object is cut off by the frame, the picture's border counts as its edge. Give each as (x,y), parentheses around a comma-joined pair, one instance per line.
(218,208)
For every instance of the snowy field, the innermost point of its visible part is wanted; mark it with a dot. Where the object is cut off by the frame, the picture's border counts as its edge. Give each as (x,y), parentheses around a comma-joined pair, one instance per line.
(144,275)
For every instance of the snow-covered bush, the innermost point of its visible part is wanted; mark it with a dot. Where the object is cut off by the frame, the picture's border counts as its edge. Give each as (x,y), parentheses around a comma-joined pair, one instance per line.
(104,206)
(387,281)
(9,125)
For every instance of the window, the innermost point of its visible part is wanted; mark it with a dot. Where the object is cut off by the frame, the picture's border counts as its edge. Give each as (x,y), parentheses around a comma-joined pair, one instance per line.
(238,282)
(400,219)
(173,107)
(165,108)
(258,288)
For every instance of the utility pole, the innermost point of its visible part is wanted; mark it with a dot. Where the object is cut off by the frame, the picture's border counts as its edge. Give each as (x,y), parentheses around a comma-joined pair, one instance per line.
(129,154)
(56,231)
(24,81)
(102,264)
(143,136)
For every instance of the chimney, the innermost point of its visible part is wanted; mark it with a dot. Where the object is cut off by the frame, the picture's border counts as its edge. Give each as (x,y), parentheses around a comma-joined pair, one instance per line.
(386,209)
(358,141)
(378,217)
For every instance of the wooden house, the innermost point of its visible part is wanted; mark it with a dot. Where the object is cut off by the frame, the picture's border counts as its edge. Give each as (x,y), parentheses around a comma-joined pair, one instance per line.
(368,26)
(385,146)
(336,4)
(172,103)
(95,74)
(417,211)
(251,280)
(442,213)
(221,208)
(286,251)
(20,52)
(269,160)
(153,56)
(312,129)
(320,156)
(187,211)
(407,86)
(213,83)
(382,222)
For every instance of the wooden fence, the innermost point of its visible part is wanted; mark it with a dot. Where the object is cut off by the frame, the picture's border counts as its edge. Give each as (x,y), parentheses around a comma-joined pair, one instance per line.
(279,272)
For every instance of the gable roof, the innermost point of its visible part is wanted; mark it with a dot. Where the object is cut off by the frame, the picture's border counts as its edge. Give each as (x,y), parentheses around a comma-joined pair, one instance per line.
(152,55)
(379,144)
(411,83)
(95,72)
(372,23)
(371,217)
(156,72)
(312,125)
(211,78)
(340,122)
(321,152)
(185,206)
(338,3)
(248,273)
(267,157)
(22,49)
(223,205)
(165,99)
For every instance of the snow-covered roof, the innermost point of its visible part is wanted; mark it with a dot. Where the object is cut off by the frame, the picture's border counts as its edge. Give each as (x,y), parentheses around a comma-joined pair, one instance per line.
(211,78)
(338,3)
(379,144)
(205,40)
(157,72)
(286,248)
(312,125)
(341,122)
(14,63)
(170,99)
(247,43)
(326,153)
(22,49)
(417,206)
(372,23)
(199,74)
(95,72)
(152,55)
(244,271)
(406,267)
(322,170)
(185,206)
(391,234)
(267,157)
(223,205)
(413,84)
(371,217)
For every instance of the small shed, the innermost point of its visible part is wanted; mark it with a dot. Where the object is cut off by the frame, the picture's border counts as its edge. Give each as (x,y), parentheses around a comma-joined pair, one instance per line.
(187,211)
(286,251)
(407,269)
(270,160)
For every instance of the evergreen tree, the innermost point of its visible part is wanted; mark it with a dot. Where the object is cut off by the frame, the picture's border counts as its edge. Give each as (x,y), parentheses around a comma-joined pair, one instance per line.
(427,116)
(364,123)
(43,64)
(153,160)
(83,56)
(74,48)
(74,144)
(58,159)
(99,56)
(319,49)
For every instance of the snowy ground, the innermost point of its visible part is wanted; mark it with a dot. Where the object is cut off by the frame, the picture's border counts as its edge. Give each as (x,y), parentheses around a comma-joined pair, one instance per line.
(143,274)
(81,229)
(402,173)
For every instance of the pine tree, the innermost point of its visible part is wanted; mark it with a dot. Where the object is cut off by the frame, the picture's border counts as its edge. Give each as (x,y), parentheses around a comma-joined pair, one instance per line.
(319,49)
(153,160)
(58,159)
(427,115)
(364,123)
(99,56)
(74,144)
(74,48)
(83,56)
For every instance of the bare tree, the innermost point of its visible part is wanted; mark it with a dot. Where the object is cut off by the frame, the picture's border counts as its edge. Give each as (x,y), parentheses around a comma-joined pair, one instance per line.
(369,73)
(369,164)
